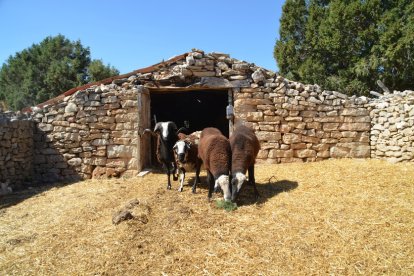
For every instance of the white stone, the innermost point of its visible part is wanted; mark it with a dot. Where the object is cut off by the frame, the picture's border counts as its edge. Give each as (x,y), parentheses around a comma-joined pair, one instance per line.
(258,76)
(75,162)
(121,151)
(71,108)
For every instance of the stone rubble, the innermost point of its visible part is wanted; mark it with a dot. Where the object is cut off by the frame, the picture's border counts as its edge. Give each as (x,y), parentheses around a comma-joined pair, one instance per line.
(392,126)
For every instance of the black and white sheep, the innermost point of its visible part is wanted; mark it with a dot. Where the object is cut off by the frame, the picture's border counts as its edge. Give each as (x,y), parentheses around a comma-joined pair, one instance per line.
(214,150)
(245,147)
(186,156)
(167,137)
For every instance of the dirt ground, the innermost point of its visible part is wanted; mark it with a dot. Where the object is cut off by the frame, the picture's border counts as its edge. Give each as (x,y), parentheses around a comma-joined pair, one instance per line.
(340,217)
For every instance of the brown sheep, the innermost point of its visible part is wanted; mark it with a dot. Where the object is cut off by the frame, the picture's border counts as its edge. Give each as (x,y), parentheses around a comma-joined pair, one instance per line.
(214,150)
(245,147)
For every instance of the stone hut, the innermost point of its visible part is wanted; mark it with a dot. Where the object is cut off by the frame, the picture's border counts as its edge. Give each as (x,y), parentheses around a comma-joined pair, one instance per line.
(97,130)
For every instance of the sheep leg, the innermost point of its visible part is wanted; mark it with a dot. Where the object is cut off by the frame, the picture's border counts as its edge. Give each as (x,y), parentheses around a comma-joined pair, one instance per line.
(182,177)
(198,167)
(253,181)
(210,181)
(197,178)
(175,172)
(168,176)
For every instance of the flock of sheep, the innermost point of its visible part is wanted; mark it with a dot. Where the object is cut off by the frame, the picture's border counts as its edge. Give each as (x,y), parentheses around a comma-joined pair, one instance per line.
(225,160)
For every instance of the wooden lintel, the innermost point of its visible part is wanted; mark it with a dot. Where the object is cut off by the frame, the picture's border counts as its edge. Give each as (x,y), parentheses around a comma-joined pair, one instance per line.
(166,89)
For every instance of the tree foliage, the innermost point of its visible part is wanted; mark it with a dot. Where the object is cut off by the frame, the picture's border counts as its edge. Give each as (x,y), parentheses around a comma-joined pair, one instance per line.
(98,71)
(347,45)
(47,69)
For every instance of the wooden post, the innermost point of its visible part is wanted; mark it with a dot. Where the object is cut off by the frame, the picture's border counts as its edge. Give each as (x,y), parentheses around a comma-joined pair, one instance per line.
(143,122)
(230,102)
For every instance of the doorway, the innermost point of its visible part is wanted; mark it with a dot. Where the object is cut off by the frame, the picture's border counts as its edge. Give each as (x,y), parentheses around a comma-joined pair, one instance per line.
(194,110)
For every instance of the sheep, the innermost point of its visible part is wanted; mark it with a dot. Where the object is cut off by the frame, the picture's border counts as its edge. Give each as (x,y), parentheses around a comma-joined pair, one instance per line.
(245,147)
(186,156)
(215,153)
(167,137)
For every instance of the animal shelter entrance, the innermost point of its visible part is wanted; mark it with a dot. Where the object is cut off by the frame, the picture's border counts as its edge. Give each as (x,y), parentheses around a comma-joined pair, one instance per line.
(195,110)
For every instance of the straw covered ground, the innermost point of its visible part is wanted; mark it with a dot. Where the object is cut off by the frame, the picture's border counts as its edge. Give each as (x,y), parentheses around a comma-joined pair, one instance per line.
(332,217)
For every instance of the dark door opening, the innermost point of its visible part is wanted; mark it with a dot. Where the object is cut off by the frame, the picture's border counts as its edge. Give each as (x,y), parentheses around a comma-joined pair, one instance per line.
(200,108)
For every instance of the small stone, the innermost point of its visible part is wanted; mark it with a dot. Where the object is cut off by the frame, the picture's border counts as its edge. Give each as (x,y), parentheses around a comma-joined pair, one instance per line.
(258,76)
(74,162)
(121,215)
(223,66)
(71,108)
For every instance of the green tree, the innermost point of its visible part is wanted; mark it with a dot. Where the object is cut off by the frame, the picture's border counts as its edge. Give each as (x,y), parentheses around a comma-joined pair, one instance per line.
(289,48)
(98,71)
(350,44)
(47,69)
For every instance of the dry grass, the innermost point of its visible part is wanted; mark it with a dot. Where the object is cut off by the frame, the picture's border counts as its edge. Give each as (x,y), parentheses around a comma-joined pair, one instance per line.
(332,217)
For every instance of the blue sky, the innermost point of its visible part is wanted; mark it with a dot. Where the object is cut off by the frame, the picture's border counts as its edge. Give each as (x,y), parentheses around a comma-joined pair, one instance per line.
(134,34)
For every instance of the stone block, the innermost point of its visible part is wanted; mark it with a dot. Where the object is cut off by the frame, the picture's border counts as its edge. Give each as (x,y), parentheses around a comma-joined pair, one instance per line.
(355,126)
(99,173)
(268,136)
(116,163)
(75,162)
(305,153)
(263,154)
(354,112)
(360,151)
(310,139)
(291,138)
(97,161)
(298,146)
(330,126)
(121,151)
(254,116)
(277,153)
(339,152)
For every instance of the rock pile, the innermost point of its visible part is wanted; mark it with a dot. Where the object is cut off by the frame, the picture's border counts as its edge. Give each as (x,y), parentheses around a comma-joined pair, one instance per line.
(392,131)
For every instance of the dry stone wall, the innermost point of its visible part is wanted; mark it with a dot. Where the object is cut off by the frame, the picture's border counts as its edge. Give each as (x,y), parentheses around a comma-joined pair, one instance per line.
(301,123)
(392,130)
(16,149)
(91,133)
(94,132)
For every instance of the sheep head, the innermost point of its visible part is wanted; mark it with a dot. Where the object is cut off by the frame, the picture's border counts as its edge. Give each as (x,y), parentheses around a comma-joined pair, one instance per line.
(224,183)
(165,129)
(181,149)
(236,184)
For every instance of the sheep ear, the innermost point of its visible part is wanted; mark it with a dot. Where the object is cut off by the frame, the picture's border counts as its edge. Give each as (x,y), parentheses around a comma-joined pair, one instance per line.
(188,144)
(157,127)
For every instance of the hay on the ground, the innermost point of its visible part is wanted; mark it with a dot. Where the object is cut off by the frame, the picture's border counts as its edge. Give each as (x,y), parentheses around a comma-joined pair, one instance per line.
(330,217)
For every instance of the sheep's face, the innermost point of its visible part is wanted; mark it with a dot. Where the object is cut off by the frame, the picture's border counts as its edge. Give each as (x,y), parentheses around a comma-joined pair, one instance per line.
(224,183)
(165,129)
(236,184)
(181,149)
